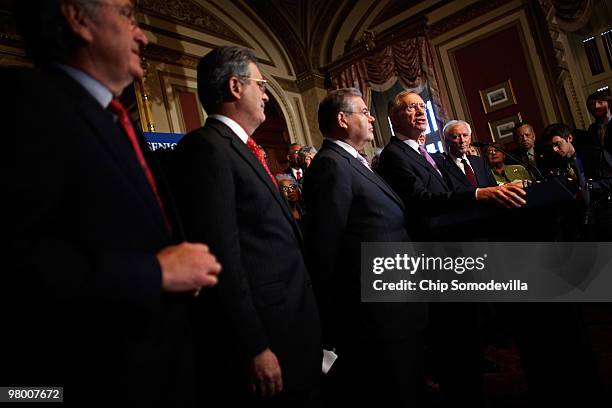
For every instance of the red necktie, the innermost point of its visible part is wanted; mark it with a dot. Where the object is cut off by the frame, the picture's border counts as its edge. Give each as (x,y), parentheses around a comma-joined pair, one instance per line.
(469,173)
(124,121)
(255,149)
(298,175)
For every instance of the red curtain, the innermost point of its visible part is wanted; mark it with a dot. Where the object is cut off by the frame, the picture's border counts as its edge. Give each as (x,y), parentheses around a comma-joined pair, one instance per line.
(411,61)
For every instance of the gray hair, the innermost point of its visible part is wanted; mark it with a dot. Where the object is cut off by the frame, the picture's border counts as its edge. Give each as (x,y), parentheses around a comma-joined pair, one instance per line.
(395,103)
(90,7)
(306,150)
(283,176)
(453,124)
(216,68)
(335,101)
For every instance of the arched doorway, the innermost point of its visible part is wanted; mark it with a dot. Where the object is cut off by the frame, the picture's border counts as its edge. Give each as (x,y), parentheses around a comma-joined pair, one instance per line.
(273,136)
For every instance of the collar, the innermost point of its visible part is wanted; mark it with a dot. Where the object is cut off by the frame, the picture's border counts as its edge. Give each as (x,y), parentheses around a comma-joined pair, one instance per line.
(232,124)
(410,142)
(98,91)
(350,149)
(413,144)
(457,160)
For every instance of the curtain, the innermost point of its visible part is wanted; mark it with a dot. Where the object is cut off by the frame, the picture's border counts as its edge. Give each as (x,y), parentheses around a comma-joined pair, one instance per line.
(411,61)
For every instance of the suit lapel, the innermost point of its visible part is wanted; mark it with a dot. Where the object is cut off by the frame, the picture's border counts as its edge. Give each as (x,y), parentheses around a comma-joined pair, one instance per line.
(360,168)
(418,159)
(247,155)
(455,173)
(479,171)
(103,127)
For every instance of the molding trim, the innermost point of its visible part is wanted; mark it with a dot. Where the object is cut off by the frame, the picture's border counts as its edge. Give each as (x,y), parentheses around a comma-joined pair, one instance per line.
(190,14)
(154,52)
(310,80)
(469,13)
(287,84)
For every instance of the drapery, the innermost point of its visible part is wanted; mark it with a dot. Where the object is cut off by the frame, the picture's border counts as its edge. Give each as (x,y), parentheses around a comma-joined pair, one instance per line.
(410,60)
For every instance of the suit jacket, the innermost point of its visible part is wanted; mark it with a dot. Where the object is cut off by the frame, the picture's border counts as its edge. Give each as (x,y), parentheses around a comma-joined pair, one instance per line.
(424,191)
(597,165)
(289,172)
(264,297)
(592,138)
(541,161)
(457,180)
(348,204)
(83,287)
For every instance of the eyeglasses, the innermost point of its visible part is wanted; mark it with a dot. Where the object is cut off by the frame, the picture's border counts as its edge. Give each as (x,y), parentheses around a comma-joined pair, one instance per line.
(411,107)
(260,82)
(289,188)
(127,12)
(364,111)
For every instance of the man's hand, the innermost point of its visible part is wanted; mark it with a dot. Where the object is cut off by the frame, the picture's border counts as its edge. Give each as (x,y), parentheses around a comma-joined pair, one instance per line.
(266,376)
(187,267)
(507,195)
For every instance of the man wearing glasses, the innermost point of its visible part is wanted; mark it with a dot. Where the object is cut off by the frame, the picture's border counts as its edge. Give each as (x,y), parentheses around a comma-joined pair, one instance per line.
(294,168)
(95,240)
(424,185)
(379,345)
(265,335)
(418,177)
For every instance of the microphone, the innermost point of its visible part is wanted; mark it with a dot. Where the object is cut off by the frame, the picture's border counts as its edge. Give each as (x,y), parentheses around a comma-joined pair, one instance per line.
(530,167)
(526,165)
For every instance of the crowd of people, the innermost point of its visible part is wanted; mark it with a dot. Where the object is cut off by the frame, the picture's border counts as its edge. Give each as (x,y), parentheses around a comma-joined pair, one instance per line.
(206,280)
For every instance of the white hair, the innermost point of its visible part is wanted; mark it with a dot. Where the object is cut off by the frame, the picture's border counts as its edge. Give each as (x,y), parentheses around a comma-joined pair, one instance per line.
(453,124)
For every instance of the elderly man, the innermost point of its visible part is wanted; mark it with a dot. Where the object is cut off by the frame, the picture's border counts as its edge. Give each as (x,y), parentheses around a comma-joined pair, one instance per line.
(427,189)
(419,180)
(266,335)
(465,171)
(379,345)
(99,284)
(306,154)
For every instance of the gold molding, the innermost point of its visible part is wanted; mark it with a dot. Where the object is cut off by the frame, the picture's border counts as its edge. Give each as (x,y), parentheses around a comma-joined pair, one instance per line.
(287,84)
(190,14)
(155,52)
(144,105)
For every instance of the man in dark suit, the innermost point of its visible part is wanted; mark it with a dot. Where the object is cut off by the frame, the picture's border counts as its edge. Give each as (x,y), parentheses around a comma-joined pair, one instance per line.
(98,284)
(599,104)
(266,336)
(423,183)
(418,179)
(527,154)
(379,345)
(463,171)
(294,169)
(590,168)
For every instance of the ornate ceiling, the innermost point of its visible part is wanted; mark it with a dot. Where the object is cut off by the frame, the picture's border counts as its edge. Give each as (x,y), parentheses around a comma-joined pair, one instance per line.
(309,29)
(311,34)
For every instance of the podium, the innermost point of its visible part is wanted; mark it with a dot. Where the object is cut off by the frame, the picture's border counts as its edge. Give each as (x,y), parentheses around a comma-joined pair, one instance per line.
(545,200)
